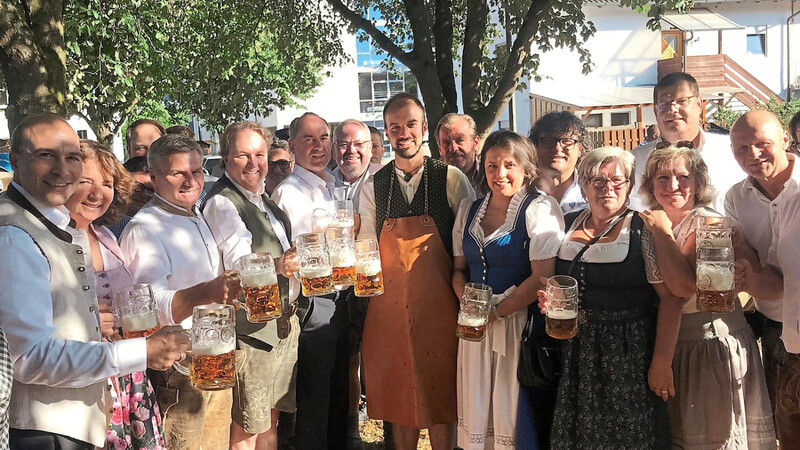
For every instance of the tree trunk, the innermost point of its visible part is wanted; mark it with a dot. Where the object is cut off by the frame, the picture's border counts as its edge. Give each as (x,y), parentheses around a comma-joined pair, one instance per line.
(104,133)
(33,57)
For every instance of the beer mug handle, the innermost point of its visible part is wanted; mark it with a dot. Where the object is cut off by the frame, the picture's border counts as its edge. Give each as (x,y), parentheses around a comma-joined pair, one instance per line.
(180,368)
(237,304)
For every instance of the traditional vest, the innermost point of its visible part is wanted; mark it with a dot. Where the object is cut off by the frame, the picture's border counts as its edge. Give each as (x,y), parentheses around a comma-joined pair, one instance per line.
(79,413)
(434,184)
(264,240)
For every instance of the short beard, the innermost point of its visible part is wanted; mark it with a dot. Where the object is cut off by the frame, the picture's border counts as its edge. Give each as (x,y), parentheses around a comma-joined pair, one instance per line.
(401,153)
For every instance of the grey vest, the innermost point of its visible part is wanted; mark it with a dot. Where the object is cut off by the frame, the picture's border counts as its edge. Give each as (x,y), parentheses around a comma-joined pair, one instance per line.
(79,413)
(264,240)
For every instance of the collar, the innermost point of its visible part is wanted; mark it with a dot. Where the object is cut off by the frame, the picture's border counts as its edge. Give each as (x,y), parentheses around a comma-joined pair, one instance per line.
(337,174)
(173,208)
(313,179)
(18,195)
(250,195)
(57,215)
(751,183)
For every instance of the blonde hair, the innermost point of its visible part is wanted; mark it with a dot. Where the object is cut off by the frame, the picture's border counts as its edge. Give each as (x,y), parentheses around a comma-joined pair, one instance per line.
(665,157)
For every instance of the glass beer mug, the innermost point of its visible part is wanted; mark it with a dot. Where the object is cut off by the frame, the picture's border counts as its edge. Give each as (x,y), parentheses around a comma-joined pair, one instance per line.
(213,337)
(260,284)
(714,232)
(561,319)
(316,273)
(137,310)
(342,214)
(473,315)
(715,290)
(341,247)
(369,275)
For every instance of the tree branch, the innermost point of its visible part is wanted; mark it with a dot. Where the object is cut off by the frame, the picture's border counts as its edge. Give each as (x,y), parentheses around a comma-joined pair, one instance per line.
(485,117)
(383,41)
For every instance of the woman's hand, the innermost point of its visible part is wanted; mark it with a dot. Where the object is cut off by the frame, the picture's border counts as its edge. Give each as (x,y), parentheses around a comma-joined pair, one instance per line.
(106,320)
(542,295)
(656,220)
(659,377)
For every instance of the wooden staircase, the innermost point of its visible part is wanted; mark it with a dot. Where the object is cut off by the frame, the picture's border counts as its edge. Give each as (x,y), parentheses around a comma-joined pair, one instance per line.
(720,71)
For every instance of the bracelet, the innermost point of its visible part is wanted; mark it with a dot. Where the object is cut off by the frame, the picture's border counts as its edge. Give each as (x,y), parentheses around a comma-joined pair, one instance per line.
(496,312)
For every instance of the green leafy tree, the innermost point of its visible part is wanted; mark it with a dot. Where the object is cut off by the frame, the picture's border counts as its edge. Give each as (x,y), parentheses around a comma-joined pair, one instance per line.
(426,36)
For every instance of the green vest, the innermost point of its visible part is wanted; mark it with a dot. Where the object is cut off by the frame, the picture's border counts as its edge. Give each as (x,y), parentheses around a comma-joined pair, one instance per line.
(264,240)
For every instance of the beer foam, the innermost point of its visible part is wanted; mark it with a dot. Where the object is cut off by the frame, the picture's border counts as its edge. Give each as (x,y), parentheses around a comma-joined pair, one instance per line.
(213,348)
(471,321)
(562,314)
(140,322)
(343,258)
(714,242)
(712,277)
(316,272)
(369,268)
(258,278)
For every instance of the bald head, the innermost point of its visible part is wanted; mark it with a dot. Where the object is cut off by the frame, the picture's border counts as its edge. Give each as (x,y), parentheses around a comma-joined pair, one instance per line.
(759,144)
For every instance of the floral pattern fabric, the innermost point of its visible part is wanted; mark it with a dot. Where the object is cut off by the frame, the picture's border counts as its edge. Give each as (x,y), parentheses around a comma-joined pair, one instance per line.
(136,420)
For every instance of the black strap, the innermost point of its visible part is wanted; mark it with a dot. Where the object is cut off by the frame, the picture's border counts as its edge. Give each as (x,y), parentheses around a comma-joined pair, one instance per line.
(16,196)
(595,239)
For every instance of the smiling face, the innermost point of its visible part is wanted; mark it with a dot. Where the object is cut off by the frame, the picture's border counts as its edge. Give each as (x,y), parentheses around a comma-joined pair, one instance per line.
(611,194)
(558,152)
(49,167)
(759,145)
(352,150)
(678,122)
(504,174)
(246,161)
(458,144)
(674,186)
(312,145)
(178,178)
(93,196)
(405,128)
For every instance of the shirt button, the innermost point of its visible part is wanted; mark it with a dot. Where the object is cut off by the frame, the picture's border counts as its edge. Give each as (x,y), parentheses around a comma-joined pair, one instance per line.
(80,252)
(103,275)
(107,297)
(81,269)
(86,287)
(106,285)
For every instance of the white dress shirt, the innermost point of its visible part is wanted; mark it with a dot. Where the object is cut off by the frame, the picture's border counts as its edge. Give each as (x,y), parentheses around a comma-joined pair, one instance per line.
(785,250)
(458,189)
(573,200)
(723,169)
(756,214)
(171,252)
(302,192)
(233,238)
(27,316)
(352,191)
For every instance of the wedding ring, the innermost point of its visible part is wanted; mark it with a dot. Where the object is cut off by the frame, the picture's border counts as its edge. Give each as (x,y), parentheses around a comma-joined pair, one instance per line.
(664,391)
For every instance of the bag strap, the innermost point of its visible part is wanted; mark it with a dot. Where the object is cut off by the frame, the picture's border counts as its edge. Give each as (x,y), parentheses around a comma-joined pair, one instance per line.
(608,229)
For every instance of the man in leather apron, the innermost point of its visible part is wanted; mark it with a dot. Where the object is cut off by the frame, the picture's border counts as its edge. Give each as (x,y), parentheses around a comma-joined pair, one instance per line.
(409,343)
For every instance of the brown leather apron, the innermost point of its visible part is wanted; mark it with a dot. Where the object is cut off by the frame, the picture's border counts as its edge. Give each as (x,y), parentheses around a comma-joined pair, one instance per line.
(410,347)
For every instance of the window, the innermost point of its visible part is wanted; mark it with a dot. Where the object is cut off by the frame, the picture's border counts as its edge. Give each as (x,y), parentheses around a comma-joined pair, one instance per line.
(593,121)
(621,118)
(83,134)
(377,86)
(757,44)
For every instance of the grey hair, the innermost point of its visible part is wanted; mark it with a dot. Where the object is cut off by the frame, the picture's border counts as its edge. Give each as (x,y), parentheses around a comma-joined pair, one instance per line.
(170,144)
(447,121)
(590,163)
(337,133)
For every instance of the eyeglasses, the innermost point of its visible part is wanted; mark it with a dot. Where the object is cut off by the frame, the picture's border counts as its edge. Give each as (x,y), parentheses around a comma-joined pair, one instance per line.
(358,145)
(679,144)
(601,182)
(550,142)
(143,187)
(282,163)
(679,102)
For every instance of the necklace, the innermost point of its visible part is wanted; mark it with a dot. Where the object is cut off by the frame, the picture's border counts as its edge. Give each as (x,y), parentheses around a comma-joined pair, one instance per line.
(410,174)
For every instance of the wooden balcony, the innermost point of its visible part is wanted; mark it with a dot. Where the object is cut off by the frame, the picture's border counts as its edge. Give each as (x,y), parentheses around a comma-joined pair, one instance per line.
(723,73)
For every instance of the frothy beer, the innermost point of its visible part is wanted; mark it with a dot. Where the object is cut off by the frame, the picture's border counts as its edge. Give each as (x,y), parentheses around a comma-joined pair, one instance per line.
(715,291)
(344,270)
(369,278)
(316,281)
(561,323)
(213,366)
(471,328)
(261,295)
(139,325)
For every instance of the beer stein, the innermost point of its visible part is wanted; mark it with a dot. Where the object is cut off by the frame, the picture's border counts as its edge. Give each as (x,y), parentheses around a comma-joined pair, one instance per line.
(714,232)
(341,248)
(213,337)
(715,290)
(561,319)
(260,284)
(369,275)
(473,315)
(316,273)
(342,213)
(320,220)
(137,310)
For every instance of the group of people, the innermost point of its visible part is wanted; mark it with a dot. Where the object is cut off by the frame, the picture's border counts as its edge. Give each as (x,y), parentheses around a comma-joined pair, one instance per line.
(645,370)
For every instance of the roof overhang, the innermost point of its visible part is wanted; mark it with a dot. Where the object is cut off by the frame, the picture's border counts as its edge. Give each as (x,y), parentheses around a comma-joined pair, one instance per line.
(699,19)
